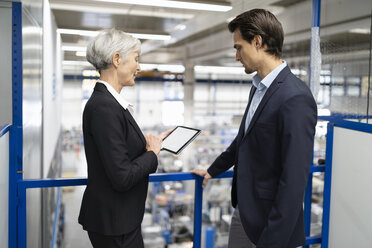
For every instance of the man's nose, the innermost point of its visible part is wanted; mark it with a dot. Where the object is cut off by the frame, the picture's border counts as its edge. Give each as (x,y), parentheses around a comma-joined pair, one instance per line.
(237,56)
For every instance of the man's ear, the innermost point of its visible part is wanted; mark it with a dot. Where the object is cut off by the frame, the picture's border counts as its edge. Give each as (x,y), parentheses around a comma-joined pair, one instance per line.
(257,41)
(116,59)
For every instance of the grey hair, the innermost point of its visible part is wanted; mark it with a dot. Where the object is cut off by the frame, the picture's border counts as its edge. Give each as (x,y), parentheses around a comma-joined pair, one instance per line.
(102,48)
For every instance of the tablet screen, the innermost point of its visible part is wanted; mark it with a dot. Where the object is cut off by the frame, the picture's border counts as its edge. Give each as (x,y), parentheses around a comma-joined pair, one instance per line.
(179,139)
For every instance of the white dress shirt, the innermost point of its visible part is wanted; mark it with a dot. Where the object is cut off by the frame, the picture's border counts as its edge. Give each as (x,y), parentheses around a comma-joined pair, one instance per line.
(126,105)
(262,85)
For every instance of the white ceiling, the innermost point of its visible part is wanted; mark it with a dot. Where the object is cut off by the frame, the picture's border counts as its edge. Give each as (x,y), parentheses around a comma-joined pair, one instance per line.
(201,36)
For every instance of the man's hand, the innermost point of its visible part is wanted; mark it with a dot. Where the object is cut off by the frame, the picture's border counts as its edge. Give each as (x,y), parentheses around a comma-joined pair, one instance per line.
(202,173)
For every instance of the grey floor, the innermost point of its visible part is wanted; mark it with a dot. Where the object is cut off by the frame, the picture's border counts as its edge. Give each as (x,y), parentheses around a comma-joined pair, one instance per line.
(74,165)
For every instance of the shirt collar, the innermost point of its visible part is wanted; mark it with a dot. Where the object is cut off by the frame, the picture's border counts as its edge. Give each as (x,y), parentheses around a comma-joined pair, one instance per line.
(264,83)
(116,95)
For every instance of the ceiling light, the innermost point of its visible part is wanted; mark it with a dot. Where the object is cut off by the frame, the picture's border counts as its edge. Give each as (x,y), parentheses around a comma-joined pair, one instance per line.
(174,4)
(219,69)
(198,69)
(128,11)
(90,73)
(163,67)
(228,20)
(360,30)
(151,36)
(175,68)
(81,53)
(77,32)
(180,27)
(76,63)
(94,33)
(74,48)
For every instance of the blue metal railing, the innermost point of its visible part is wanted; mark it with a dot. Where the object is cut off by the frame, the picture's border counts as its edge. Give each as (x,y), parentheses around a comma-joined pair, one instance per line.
(23,185)
(56,218)
(4,129)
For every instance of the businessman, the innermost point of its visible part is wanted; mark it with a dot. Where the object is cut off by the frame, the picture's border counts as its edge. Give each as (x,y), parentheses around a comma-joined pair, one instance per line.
(273,149)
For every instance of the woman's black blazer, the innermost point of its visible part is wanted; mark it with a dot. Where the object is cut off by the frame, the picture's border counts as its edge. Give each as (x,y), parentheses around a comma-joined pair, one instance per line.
(118,167)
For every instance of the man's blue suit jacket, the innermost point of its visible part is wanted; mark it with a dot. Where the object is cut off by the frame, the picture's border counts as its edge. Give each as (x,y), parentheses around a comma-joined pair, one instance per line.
(272,161)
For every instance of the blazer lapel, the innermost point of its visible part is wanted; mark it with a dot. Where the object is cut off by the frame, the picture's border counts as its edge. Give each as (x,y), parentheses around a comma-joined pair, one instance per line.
(273,87)
(130,118)
(270,91)
(242,124)
(102,88)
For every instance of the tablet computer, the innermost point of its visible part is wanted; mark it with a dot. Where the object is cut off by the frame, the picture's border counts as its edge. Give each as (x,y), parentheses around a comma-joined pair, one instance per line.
(179,138)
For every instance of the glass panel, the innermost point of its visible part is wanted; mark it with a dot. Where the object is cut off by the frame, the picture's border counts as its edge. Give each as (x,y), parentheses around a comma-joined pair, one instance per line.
(345,50)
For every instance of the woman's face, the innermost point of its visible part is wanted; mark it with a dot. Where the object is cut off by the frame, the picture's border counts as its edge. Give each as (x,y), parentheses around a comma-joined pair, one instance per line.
(128,70)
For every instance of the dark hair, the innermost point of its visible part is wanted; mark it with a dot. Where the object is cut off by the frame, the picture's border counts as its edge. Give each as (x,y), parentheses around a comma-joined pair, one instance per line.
(260,22)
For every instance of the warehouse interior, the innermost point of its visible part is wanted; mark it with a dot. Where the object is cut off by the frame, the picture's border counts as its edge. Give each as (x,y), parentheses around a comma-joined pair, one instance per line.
(189,76)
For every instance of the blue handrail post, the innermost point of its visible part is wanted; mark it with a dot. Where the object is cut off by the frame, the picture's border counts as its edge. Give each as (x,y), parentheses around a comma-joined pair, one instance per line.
(307,209)
(198,208)
(327,185)
(56,217)
(22,213)
(209,236)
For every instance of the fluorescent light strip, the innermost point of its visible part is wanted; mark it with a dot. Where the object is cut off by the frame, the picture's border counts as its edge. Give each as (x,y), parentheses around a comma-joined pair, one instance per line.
(198,69)
(81,54)
(121,11)
(174,4)
(77,32)
(175,68)
(74,48)
(360,30)
(163,67)
(219,69)
(76,63)
(94,33)
(151,36)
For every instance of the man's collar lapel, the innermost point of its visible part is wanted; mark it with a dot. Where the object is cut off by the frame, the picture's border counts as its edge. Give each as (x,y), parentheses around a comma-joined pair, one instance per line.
(270,91)
(242,124)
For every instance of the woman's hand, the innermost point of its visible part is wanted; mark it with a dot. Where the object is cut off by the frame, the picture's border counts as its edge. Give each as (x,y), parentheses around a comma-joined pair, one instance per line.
(153,143)
(166,133)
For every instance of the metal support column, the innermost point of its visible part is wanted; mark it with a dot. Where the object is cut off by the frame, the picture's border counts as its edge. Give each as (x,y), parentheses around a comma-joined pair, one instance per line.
(189,86)
(16,133)
(315,55)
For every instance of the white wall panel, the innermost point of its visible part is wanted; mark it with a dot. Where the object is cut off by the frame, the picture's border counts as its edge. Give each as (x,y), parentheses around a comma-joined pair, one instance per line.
(52,88)
(5,64)
(350,207)
(4,189)
(32,113)
(72,109)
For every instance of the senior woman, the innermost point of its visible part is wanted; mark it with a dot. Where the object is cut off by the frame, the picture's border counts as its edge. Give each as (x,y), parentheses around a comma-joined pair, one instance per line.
(119,157)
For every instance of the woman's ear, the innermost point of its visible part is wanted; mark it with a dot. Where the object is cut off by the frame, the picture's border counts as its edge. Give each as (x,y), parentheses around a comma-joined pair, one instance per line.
(116,59)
